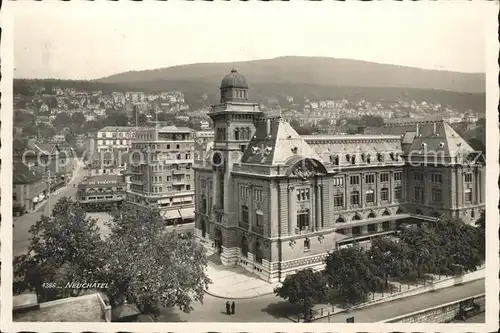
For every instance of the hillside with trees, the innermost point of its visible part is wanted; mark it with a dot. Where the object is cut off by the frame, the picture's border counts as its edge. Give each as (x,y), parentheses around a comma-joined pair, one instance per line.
(315,70)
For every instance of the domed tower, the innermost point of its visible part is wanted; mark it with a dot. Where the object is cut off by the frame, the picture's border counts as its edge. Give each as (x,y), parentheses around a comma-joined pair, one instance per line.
(234,120)
(233,88)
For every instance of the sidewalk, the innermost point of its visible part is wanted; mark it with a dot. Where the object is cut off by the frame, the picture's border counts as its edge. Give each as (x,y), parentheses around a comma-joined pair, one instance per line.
(394,308)
(235,283)
(401,291)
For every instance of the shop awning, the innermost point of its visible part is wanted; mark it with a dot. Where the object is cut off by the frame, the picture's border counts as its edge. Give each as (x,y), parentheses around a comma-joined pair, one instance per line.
(187,213)
(170,214)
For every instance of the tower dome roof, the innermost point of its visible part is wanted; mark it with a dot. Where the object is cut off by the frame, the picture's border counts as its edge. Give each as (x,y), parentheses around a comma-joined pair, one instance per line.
(234,80)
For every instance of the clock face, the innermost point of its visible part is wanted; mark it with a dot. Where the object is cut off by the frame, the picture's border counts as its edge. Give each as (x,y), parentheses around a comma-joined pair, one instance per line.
(217,159)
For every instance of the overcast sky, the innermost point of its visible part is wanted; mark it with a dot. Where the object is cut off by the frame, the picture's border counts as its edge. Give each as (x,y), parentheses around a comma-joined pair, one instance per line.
(86,40)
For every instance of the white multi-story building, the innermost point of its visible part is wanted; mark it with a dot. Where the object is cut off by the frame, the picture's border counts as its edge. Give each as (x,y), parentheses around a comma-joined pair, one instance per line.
(115,137)
(161,161)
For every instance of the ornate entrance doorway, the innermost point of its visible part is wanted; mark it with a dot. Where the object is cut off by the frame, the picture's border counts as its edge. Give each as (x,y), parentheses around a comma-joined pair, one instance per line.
(218,240)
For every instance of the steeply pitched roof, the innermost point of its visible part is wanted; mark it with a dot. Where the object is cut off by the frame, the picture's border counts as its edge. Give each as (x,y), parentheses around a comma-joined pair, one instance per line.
(344,145)
(281,144)
(23,175)
(440,137)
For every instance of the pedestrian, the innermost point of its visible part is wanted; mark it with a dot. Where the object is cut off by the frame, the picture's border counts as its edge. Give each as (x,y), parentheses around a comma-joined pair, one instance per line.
(232,307)
(228,308)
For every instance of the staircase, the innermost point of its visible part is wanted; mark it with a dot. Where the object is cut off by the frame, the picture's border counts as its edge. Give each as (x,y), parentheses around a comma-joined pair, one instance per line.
(215,258)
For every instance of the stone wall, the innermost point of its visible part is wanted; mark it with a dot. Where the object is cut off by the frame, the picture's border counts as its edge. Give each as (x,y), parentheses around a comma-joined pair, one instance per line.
(439,314)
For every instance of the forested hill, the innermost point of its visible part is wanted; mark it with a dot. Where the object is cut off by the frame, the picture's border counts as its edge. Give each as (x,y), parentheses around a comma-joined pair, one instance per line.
(316,71)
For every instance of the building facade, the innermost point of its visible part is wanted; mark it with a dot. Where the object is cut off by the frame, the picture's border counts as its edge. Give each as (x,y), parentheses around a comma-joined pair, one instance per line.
(29,189)
(115,137)
(101,193)
(275,202)
(161,174)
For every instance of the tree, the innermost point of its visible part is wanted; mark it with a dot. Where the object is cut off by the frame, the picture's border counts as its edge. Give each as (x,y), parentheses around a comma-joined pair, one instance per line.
(461,244)
(62,119)
(151,267)
(63,247)
(306,287)
(351,275)
(22,117)
(78,119)
(372,121)
(390,258)
(439,248)
(424,248)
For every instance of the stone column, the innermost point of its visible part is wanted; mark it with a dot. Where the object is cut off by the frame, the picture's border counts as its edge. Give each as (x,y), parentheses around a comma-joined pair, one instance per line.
(460,187)
(251,211)
(318,207)
(215,185)
(292,212)
(477,188)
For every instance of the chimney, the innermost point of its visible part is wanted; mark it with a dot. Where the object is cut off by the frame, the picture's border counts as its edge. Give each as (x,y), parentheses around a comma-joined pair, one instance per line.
(434,128)
(417,129)
(268,126)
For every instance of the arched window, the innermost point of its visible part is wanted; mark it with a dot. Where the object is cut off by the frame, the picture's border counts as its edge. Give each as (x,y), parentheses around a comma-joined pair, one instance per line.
(244,246)
(348,157)
(355,198)
(384,194)
(371,215)
(386,213)
(399,211)
(340,220)
(356,217)
(336,160)
(368,158)
(380,157)
(353,159)
(418,212)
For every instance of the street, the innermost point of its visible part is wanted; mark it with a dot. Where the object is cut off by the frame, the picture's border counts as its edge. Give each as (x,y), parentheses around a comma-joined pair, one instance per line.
(272,309)
(268,308)
(22,224)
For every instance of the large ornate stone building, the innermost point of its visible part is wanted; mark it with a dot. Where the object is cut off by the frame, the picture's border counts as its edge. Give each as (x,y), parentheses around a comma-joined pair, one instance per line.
(275,202)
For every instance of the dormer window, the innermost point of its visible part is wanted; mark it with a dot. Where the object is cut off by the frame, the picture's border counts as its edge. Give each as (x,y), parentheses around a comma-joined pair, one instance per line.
(380,157)
(368,158)
(353,159)
(336,160)
(392,156)
(363,157)
(347,157)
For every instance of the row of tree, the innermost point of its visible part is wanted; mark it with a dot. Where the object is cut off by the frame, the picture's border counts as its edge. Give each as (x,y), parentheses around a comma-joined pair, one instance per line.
(140,262)
(352,274)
